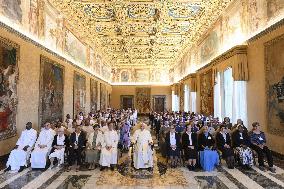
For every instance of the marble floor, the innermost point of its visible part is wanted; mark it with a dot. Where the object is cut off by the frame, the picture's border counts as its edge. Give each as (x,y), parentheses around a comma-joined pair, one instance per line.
(221,178)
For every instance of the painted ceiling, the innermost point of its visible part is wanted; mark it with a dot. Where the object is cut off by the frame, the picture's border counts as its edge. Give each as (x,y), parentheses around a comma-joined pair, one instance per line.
(140,33)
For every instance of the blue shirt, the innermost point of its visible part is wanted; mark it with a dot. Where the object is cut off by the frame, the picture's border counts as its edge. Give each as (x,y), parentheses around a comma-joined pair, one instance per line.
(258,138)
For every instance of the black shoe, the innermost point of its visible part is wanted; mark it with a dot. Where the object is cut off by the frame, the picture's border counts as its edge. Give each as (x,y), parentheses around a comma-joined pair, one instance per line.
(21,169)
(112,168)
(7,169)
(102,168)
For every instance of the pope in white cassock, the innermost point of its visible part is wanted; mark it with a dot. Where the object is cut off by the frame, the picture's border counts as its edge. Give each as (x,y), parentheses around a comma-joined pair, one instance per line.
(143,153)
(42,147)
(20,154)
(109,141)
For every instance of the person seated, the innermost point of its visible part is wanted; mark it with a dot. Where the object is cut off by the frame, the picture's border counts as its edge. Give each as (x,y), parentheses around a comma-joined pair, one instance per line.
(19,156)
(76,147)
(173,146)
(239,122)
(189,146)
(227,123)
(258,143)
(42,147)
(109,141)
(59,144)
(87,128)
(208,155)
(241,143)
(223,141)
(94,148)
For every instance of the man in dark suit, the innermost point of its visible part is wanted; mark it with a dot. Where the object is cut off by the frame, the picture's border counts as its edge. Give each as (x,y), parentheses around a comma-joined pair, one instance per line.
(173,143)
(77,145)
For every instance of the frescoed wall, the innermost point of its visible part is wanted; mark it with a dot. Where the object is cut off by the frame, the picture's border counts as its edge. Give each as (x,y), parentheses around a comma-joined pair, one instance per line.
(75,48)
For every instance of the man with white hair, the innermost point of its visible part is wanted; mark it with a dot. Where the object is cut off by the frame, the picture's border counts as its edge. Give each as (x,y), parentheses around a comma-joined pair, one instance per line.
(60,142)
(143,153)
(42,147)
(20,154)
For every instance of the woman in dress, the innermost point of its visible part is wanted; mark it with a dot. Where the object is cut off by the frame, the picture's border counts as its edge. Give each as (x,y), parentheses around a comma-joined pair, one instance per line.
(189,146)
(93,148)
(209,157)
(241,143)
(223,140)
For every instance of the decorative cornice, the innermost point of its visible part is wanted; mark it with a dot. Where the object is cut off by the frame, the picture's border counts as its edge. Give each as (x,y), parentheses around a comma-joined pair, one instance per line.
(267,31)
(240,49)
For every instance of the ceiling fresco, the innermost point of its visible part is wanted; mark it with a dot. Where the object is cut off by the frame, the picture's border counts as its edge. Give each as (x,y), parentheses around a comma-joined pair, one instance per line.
(140,33)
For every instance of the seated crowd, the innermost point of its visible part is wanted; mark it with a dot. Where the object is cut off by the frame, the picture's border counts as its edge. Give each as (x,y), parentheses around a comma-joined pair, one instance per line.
(98,138)
(93,139)
(200,140)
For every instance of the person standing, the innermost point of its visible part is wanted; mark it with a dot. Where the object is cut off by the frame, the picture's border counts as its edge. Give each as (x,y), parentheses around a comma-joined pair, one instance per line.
(109,143)
(19,156)
(143,153)
(173,146)
(189,143)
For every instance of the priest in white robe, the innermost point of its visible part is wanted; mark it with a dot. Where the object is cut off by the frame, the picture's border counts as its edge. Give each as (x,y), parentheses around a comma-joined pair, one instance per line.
(42,147)
(109,142)
(19,156)
(143,153)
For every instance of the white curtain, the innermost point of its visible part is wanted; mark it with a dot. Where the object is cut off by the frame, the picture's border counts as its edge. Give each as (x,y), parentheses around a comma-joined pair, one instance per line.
(228,93)
(186,98)
(240,102)
(175,102)
(192,102)
(218,97)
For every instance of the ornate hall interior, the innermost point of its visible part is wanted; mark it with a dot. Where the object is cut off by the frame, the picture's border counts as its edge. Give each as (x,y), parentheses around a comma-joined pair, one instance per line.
(126,64)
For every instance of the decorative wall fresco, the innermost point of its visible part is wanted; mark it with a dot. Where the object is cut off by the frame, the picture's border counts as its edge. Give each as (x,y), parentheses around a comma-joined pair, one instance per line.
(33,17)
(274,8)
(143,99)
(124,76)
(141,75)
(9,57)
(51,91)
(52,32)
(274,60)
(94,94)
(98,64)
(210,46)
(206,93)
(92,59)
(75,48)
(103,93)
(79,93)
(12,9)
